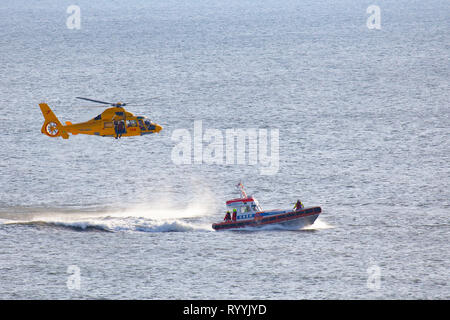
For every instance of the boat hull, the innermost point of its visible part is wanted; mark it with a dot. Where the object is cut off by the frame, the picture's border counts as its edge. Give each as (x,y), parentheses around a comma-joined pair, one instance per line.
(301,218)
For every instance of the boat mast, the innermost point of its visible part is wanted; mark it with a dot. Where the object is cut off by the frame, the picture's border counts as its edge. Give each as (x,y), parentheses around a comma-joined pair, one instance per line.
(242,190)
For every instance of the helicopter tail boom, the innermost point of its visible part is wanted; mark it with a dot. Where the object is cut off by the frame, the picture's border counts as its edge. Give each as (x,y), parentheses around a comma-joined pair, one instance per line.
(52,127)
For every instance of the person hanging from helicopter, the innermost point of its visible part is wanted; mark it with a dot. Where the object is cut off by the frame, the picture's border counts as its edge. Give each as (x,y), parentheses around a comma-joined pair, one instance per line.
(298,205)
(116,128)
(227,216)
(121,128)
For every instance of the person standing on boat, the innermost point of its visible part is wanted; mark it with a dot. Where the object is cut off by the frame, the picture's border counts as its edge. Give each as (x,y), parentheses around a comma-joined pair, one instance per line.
(234,214)
(227,216)
(298,205)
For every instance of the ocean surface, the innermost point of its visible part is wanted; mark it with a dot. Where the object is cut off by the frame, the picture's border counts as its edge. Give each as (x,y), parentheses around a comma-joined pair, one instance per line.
(364,132)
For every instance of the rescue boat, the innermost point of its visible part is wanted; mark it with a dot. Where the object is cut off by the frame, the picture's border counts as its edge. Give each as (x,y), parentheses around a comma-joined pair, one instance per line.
(247,212)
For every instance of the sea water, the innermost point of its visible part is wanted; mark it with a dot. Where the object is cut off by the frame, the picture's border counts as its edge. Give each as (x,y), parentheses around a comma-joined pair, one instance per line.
(363,121)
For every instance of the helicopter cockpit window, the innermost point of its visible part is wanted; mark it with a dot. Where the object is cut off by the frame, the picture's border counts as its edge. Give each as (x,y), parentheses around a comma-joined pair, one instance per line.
(149,125)
(131,123)
(99,117)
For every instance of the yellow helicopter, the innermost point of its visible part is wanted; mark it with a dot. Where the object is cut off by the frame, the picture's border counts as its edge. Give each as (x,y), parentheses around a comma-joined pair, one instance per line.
(113,122)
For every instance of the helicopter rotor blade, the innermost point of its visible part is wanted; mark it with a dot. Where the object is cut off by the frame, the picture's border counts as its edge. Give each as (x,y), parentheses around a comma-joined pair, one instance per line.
(94,106)
(98,101)
(142,103)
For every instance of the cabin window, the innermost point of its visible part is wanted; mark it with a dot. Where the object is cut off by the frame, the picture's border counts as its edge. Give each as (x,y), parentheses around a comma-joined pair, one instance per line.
(107,124)
(141,125)
(131,123)
(149,125)
(99,117)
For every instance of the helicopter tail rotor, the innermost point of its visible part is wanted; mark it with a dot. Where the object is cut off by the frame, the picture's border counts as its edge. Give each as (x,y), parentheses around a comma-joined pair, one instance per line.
(52,127)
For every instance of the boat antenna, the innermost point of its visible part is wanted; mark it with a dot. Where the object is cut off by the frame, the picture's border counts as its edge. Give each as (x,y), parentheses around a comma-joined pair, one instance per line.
(242,190)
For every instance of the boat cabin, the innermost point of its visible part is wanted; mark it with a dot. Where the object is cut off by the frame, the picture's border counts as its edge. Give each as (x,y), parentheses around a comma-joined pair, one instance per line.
(245,207)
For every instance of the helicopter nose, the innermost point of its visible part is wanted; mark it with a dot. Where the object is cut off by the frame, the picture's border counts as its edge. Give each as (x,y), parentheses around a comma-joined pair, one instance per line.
(158,128)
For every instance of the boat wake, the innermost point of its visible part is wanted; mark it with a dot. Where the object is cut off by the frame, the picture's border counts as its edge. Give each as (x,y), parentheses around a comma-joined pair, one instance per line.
(319,224)
(115,224)
(142,218)
(76,226)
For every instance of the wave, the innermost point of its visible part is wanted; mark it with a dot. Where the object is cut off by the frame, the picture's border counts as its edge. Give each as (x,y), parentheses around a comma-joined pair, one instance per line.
(109,224)
(150,217)
(319,224)
(76,226)
(174,226)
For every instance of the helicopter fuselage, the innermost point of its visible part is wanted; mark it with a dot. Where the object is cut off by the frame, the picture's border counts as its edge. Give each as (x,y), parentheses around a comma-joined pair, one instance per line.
(113,122)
